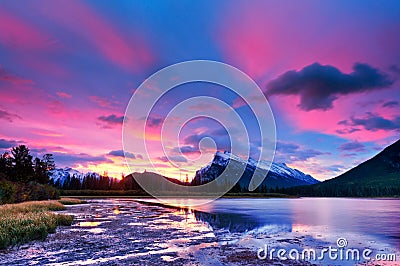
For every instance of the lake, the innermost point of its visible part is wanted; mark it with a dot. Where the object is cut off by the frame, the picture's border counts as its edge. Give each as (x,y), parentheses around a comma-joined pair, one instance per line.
(227,231)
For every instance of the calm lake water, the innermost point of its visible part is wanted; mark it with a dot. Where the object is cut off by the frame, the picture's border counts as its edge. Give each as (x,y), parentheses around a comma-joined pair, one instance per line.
(307,222)
(378,219)
(224,232)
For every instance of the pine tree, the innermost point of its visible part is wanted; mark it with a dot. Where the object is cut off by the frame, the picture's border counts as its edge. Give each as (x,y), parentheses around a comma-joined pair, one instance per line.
(5,165)
(22,164)
(48,160)
(40,169)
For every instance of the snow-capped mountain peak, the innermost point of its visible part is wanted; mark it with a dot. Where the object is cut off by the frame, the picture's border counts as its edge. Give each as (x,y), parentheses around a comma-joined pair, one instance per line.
(60,175)
(276,170)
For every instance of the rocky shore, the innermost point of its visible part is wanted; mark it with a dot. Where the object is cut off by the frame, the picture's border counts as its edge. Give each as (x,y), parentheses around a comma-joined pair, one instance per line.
(126,232)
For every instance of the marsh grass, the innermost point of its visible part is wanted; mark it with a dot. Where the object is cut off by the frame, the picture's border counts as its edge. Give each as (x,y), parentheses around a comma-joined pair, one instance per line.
(23,222)
(71,201)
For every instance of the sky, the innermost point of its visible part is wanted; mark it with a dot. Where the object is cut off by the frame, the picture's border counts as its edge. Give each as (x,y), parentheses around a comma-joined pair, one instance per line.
(329,69)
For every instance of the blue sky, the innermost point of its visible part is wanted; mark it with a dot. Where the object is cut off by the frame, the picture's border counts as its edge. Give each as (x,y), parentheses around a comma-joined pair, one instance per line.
(329,70)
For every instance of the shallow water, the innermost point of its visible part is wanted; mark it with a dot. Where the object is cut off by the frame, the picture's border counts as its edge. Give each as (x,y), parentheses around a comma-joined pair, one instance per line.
(378,219)
(223,232)
(307,222)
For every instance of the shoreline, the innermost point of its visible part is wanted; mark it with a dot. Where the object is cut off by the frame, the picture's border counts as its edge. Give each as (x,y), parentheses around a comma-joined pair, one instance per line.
(135,231)
(246,196)
(116,231)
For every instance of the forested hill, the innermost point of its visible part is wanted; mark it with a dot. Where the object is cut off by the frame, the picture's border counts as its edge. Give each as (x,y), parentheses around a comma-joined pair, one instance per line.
(376,177)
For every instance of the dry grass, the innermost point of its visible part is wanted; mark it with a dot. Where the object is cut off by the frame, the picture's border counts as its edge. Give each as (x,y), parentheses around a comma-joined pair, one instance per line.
(22,222)
(71,201)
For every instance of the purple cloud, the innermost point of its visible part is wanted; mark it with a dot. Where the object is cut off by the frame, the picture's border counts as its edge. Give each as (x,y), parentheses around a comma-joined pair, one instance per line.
(154,121)
(390,104)
(374,122)
(72,160)
(320,85)
(8,116)
(290,152)
(120,153)
(112,119)
(185,149)
(177,159)
(352,146)
(5,144)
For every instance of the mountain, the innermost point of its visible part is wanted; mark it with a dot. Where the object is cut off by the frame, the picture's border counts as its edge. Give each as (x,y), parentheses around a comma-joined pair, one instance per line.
(221,222)
(279,175)
(71,179)
(61,175)
(378,176)
(131,183)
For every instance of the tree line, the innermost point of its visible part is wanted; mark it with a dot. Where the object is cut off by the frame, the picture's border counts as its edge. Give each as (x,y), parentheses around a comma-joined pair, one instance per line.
(344,190)
(24,177)
(20,166)
(92,181)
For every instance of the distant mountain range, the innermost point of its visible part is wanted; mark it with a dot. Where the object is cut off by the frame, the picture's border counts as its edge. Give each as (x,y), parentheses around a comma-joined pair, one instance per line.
(61,175)
(378,176)
(280,175)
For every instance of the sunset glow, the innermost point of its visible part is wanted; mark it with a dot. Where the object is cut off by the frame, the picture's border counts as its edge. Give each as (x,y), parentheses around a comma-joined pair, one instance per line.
(69,68)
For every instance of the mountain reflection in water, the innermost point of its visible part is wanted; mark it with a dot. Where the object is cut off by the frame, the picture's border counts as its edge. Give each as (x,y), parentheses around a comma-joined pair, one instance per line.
(239,223)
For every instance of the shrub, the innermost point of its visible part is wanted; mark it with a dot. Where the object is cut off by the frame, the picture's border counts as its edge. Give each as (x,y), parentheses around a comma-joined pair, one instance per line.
(11,192)
(20,223)
(41,192)
(7,192)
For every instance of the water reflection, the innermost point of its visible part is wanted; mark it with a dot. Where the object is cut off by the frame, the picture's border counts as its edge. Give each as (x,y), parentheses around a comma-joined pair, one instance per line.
(365,222)
(88,224)
(128,232)
(116,210)
(232,222)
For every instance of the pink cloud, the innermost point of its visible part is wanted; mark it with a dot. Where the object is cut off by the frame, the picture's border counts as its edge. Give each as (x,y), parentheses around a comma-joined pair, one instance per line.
(267,37)
(123,50)
(331,121)
(6,76)
(64,95)
(238,102)
(104,102)
(247,42)
(46,133)
(44,66)
(48,122)
(17,33)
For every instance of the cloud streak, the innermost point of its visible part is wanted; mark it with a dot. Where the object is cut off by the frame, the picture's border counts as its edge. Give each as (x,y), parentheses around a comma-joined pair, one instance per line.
(5,144)
(17,33)
(124,50)
(391,104)
(288,152)
(176,159)
(374,122)
(8,116)
(352,146)
(79,159)
(120,153)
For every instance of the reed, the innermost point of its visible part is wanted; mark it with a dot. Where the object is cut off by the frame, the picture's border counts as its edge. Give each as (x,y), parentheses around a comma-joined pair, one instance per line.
(71,201)
(23,222)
